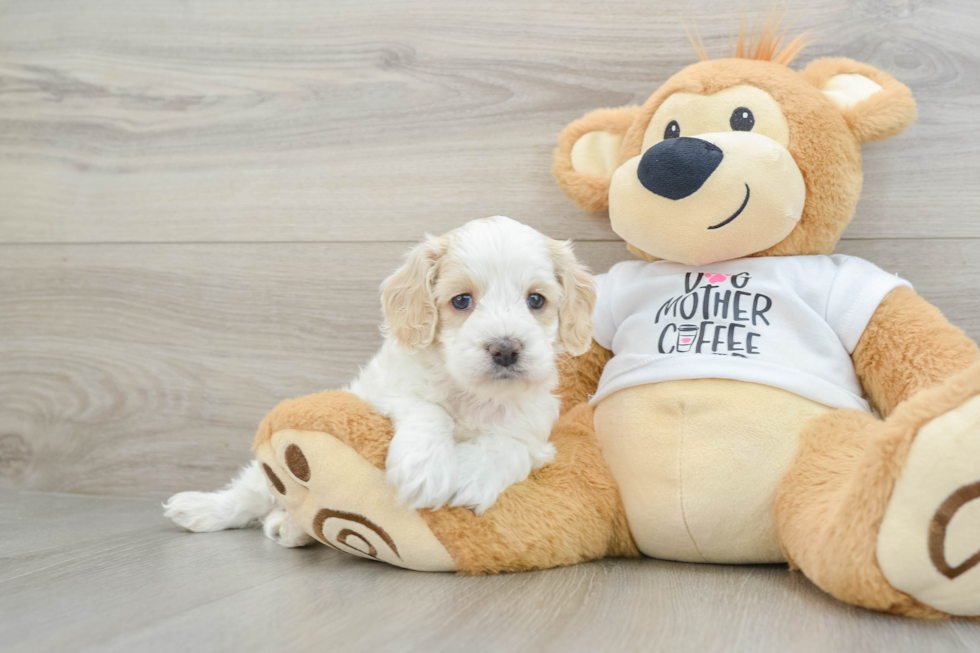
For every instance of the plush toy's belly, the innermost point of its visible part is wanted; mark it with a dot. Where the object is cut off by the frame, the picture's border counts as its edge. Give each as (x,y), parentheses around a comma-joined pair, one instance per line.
(698,463)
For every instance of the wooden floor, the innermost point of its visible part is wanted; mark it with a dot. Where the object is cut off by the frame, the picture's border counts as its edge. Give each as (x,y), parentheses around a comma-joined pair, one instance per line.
(198,201)
(109,574)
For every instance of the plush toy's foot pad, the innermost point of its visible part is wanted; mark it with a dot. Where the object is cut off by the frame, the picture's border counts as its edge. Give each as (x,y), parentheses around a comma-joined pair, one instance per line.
(344,501)
(930,535)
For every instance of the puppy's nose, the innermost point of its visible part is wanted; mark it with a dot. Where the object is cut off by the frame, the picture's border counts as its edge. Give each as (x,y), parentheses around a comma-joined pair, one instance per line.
(504,351)
(677,167)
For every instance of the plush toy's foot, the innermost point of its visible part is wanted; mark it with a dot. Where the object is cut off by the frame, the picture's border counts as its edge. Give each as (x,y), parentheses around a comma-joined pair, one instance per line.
(344,501)
(886,514)
(929,542)
(333,491)
(324,458)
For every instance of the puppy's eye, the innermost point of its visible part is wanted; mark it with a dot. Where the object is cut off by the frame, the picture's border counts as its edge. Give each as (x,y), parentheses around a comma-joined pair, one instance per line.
(673,130)
(742,120)
(463,302)
(535,301)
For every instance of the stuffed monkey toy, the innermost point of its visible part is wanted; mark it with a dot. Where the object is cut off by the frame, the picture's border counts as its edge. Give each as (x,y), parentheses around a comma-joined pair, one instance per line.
(749,397)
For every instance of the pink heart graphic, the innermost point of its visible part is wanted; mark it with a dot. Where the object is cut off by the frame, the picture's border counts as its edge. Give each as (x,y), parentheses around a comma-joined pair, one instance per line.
(684,341)
(714,277)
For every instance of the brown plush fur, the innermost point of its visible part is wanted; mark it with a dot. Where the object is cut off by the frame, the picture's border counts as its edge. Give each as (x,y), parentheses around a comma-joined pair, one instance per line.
(348,417)
(830,504)
(890,360)
(580,376)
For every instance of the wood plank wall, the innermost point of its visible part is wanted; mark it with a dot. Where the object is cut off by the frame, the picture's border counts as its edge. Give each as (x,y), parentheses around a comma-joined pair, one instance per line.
(198,200)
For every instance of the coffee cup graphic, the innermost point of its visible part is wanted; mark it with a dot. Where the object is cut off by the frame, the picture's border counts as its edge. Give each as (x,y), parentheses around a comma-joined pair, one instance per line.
(686,335)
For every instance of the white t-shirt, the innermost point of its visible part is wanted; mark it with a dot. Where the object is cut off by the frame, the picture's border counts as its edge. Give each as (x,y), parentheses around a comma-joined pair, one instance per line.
(789,322)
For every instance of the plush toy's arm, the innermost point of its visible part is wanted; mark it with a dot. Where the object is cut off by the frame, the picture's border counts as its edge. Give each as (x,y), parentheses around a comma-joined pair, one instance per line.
(580,376)
(908,346)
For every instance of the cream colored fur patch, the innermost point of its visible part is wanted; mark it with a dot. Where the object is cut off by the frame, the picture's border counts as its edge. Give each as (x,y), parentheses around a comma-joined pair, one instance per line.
(358,513)
(698,463)
(847,90)
(596,153)
(704,114)
(929,540)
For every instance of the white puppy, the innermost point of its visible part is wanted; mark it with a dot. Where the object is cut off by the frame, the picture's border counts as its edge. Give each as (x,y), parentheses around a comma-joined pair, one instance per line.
(474,323)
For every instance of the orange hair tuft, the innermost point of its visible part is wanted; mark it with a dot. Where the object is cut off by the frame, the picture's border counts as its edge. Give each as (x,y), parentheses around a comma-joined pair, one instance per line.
(763,46)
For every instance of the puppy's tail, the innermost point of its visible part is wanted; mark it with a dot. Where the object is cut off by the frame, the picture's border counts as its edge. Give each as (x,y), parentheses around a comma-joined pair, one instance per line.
(244,500)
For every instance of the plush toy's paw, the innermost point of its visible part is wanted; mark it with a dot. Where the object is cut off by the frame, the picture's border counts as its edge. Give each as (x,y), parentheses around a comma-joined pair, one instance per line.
(282,529)
(929,540)
(339,498)
(422,470)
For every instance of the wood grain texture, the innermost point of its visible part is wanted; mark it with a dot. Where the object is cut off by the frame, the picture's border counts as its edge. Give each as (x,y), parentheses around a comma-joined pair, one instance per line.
(198,201)
(141,370)
(352,120)
(108,574)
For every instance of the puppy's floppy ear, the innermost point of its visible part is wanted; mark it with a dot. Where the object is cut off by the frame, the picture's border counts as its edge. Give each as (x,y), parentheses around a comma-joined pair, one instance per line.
(588,154)
(406,296)
(578,300)
(874,104)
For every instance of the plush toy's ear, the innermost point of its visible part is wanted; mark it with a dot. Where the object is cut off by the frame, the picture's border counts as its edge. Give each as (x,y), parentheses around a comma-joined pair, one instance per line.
(875,105)
(588,153)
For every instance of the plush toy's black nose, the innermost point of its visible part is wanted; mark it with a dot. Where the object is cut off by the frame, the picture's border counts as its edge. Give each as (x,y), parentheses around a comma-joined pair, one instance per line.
(677,167)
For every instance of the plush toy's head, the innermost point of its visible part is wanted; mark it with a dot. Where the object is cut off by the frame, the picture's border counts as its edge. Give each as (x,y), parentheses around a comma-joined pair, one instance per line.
(735,157)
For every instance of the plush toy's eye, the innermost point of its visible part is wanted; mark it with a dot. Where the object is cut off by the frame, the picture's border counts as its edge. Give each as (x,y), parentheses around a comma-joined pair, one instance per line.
(535,301)
(673,130)
(463,302)
(742,120)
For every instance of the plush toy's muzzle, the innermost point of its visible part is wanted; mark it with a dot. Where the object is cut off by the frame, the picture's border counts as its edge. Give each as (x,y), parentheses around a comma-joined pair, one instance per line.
(712,197)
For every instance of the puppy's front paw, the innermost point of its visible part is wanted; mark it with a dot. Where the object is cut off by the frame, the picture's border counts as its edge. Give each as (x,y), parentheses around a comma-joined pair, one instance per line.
(200,512)
(282,529)
(424,476)
(479,483)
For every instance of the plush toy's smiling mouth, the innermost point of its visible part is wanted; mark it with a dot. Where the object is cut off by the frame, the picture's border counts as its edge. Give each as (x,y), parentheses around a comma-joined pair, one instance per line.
(737,213)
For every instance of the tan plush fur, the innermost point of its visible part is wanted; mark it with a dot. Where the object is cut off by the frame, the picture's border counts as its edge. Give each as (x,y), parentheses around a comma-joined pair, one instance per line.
(580,376)
(831,503)
(348,417)
(890,360)
(885,114)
